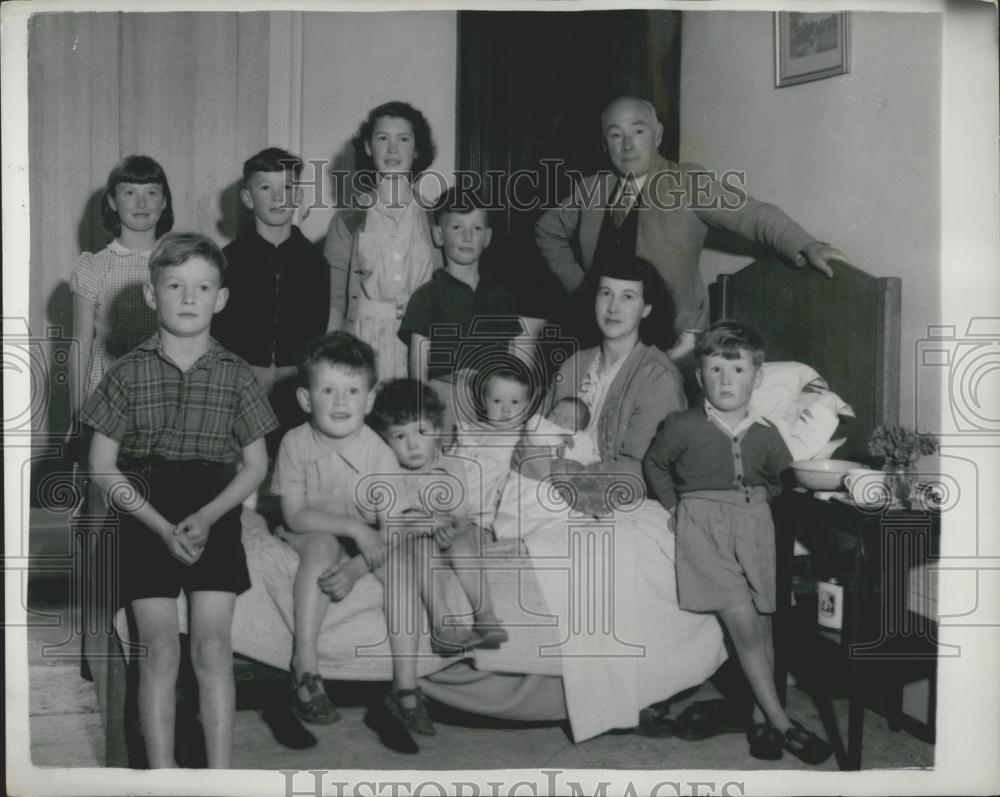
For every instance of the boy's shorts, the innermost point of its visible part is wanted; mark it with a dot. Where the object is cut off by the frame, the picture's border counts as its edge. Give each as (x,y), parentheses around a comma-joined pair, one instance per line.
(725,551)
(177,489)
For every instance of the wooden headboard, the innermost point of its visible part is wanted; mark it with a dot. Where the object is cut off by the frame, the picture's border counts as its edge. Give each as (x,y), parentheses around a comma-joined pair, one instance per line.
(847,328)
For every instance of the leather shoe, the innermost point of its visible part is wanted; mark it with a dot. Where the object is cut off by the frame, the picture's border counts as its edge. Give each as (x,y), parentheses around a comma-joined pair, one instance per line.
(655,722)
(765,742)
(707,718)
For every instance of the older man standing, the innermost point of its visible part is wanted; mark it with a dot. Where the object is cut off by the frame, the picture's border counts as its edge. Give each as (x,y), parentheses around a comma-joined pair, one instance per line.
(662,211)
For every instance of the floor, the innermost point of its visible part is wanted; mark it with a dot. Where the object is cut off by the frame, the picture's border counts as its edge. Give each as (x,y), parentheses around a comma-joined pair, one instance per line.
(66,729)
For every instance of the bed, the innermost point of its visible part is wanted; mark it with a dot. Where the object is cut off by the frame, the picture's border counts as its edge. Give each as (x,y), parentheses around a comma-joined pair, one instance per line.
(847,328)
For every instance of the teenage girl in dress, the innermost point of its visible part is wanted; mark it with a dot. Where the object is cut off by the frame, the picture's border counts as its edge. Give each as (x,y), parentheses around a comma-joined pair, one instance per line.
(382,251)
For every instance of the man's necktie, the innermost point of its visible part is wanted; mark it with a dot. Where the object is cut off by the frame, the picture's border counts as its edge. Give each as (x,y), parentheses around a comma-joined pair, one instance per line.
(626,199)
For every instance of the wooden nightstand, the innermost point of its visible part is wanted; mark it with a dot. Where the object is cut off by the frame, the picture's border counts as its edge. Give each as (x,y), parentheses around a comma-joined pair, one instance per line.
(882,643)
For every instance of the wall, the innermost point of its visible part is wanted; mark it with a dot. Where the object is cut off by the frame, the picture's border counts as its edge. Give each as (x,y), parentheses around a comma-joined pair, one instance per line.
(352,62)
(855,158)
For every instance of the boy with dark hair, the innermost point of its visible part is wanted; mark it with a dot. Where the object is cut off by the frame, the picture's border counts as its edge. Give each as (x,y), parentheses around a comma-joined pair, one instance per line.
(454,322)
(177,414)
(278,283)
(717,466)
(408,414)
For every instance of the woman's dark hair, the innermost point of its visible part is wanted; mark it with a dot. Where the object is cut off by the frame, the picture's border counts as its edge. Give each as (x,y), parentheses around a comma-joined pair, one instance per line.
(656,329)
(141,170)
(423,144)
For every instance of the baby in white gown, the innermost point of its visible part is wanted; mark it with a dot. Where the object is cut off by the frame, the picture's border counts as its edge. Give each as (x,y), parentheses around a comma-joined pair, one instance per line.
(564,430)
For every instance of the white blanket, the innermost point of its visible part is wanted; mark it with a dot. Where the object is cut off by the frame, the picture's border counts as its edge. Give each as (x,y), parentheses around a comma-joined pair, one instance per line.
(803,409)
(576,446)
(610,583)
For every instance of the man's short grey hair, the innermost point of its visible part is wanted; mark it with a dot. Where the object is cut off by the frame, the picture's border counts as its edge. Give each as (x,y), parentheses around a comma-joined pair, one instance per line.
(643,102)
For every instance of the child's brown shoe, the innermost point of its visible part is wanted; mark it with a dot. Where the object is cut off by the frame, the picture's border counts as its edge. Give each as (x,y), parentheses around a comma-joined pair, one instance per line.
(317,709)
(416,719)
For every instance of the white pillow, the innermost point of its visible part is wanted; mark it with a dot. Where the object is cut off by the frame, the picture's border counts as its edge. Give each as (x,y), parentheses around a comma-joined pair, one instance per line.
(797,401)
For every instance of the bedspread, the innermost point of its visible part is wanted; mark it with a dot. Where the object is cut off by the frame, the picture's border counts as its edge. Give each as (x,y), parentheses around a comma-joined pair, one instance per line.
(592,600)
(624,642)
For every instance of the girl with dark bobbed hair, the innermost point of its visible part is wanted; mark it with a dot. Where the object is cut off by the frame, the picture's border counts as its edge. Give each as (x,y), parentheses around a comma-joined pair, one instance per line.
(110,315)
(381,251)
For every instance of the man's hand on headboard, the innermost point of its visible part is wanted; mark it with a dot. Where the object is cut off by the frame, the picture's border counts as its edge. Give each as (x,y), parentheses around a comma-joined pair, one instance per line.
(819,255)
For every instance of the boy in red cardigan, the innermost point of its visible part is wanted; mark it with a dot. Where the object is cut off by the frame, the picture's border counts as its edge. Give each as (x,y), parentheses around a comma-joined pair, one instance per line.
(717,466)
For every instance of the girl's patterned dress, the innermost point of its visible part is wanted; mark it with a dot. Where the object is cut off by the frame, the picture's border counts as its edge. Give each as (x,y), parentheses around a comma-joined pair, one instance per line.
(112,279)
(392,255)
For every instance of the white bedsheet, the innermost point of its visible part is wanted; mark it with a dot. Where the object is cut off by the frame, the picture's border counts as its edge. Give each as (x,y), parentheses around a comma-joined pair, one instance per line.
(610,583)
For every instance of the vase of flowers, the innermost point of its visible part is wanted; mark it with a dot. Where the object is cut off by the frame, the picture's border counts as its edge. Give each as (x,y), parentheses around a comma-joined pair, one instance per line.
(899,448)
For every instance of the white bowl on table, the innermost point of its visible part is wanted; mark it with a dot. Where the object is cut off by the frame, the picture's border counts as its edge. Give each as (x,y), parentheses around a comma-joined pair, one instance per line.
(823,474)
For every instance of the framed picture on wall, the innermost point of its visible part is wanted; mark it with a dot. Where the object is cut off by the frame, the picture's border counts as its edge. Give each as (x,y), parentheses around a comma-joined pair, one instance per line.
(810,46)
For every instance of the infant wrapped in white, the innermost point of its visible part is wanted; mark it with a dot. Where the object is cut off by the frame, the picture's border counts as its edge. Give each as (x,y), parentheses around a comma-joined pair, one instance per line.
(577,446)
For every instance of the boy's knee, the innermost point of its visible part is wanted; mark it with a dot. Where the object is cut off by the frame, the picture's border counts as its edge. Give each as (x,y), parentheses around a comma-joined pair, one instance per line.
(212,652)
(745,625)
(321,548)
(162,652)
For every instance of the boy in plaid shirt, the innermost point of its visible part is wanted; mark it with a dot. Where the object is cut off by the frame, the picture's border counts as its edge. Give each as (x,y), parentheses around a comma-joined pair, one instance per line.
(172,420)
